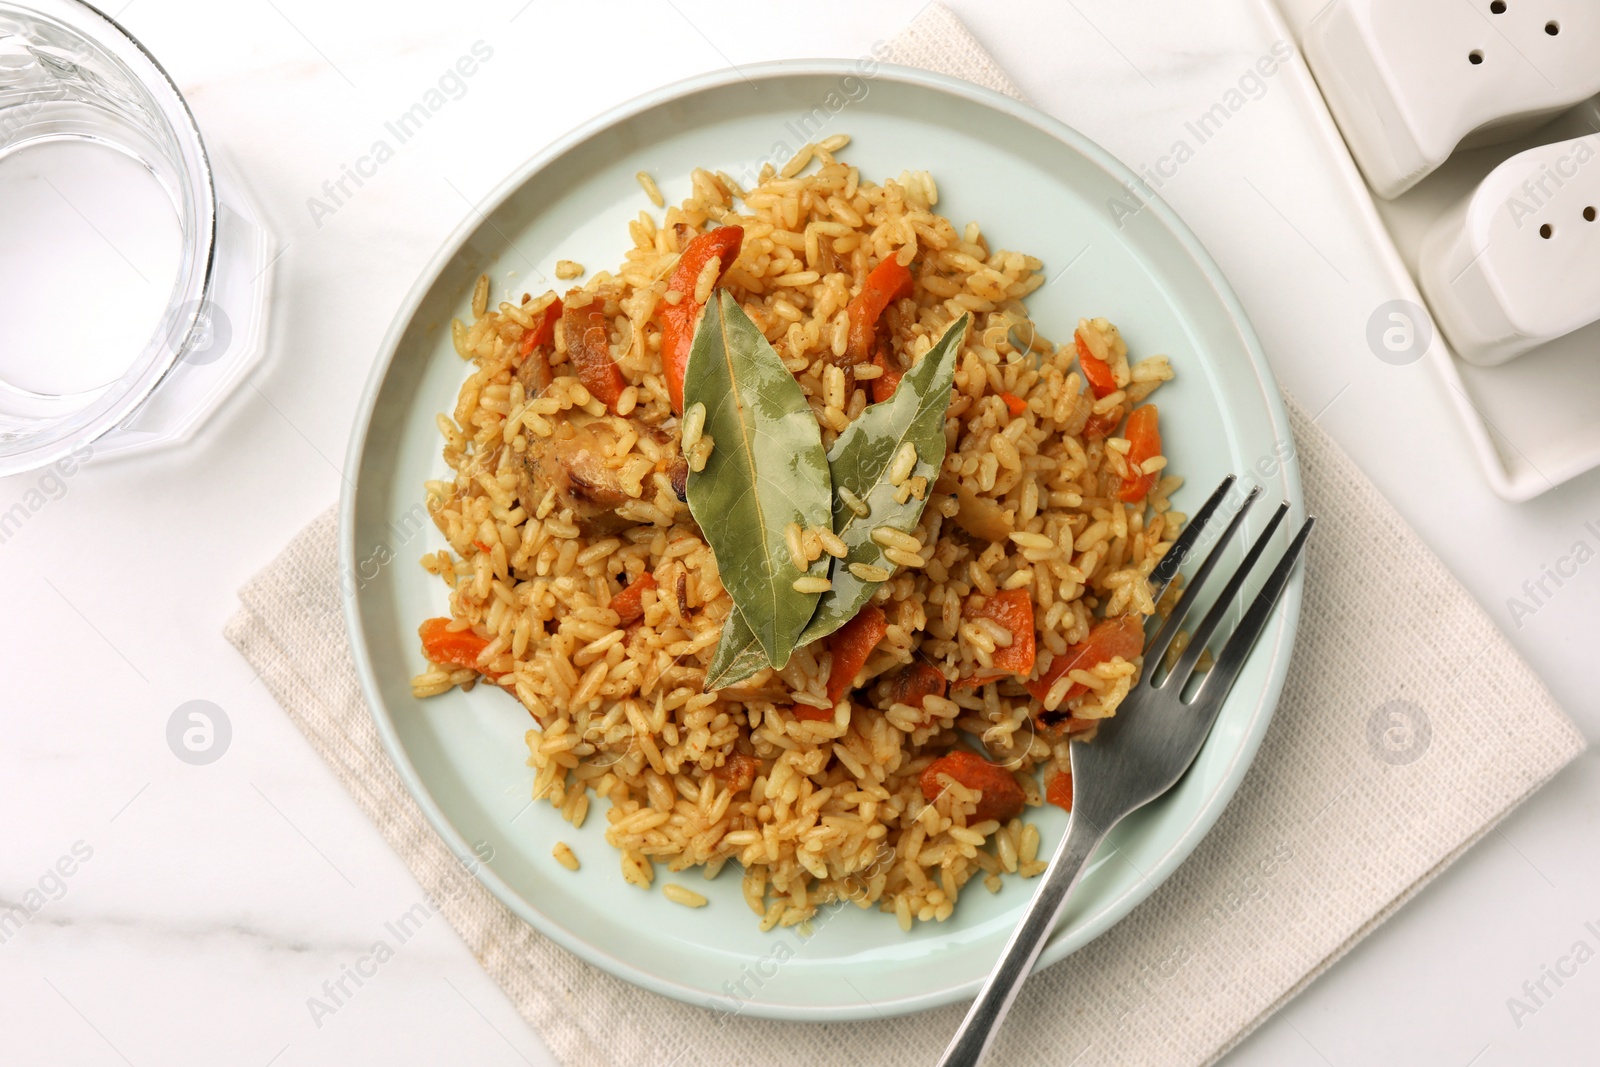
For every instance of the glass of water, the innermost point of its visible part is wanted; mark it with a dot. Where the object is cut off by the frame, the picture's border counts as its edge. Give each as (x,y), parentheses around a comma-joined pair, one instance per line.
(133,268)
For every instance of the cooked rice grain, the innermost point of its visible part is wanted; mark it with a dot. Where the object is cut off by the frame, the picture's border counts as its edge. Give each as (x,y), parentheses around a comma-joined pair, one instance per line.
(679,895)
(648,184)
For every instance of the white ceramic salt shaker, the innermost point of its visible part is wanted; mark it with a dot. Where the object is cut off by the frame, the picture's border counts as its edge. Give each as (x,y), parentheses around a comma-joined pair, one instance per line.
(1410,81)
(1517,263)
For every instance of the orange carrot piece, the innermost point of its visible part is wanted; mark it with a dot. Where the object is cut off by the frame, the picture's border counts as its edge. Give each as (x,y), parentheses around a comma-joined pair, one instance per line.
(809,713)
(452,648)
(1144,442)
(851,644)
(588,334)
(678,321)
(629,604)
(884,385)
(1014,404)
(1002,797)
(1097,370)
(1059,791)
(1122,636)
(886,283)
(543,331)
(1013,609)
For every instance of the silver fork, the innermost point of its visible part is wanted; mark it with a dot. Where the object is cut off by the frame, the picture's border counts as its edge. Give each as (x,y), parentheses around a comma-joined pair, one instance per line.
(1142,751)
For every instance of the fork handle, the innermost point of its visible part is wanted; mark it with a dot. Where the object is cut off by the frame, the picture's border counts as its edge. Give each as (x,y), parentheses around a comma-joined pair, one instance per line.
(983,1019)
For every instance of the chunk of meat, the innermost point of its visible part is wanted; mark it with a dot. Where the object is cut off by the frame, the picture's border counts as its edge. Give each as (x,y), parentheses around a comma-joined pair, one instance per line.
(1002,797)
(576,461)
(979,516)
(915,681)
(1098,427)
(738,771)
(534,374)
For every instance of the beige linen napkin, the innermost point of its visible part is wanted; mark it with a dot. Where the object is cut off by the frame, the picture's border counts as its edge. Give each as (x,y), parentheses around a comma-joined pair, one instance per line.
(1408,727)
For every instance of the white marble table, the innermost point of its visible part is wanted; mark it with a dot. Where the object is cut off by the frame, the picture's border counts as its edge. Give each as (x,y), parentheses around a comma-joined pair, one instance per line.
(216,900)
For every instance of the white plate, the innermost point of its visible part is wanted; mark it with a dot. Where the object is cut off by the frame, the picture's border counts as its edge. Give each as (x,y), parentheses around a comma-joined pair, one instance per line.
(1035,185)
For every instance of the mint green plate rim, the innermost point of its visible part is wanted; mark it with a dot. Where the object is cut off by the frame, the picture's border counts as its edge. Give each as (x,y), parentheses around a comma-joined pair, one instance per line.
(1107,895)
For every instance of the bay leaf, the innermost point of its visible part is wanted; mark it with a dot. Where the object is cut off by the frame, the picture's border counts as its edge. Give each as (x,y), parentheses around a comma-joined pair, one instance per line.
(767,469)
(860,461)
(738,654)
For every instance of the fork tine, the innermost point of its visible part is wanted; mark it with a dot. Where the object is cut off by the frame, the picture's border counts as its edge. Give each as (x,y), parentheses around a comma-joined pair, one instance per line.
(1219,607)
(1169,629)
(1166,568)
(1231,662)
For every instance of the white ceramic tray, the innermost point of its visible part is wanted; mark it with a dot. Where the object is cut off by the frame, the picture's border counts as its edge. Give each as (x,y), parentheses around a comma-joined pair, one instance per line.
(1534,422)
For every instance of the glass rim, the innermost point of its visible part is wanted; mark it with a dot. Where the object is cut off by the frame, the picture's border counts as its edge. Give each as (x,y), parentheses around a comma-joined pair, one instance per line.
(195,206)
